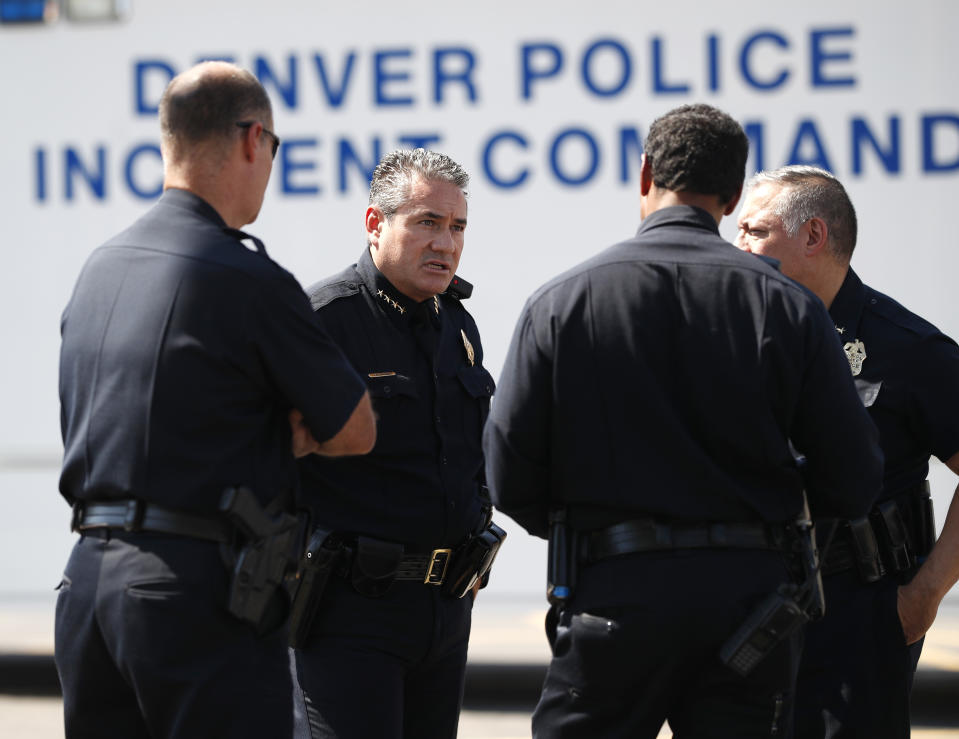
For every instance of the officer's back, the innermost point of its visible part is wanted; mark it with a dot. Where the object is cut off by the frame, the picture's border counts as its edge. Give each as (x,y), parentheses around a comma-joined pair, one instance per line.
(645,419)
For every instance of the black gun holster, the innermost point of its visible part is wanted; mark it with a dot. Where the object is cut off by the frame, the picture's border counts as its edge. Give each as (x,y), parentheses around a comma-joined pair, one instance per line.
(322,557)
(261,564)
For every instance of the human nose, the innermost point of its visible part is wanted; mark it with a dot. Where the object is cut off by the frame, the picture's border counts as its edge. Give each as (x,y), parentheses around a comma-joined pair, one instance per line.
(445,241)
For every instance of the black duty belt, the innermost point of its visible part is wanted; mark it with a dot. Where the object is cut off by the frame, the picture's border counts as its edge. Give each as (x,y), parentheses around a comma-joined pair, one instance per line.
(647,535)
(891,539)
(135,516)
(426,568)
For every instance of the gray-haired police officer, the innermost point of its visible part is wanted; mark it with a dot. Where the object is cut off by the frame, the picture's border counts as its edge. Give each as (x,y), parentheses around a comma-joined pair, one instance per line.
(883,578)
(386,653)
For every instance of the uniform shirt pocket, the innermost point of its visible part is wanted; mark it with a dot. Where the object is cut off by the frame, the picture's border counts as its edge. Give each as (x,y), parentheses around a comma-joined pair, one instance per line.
(479,386)
(477,381)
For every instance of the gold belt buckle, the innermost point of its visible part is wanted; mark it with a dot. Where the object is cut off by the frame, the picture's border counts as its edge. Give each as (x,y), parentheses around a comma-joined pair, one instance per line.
(439,561)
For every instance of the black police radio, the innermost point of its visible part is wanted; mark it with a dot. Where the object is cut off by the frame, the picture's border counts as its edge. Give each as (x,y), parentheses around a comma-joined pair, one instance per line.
(782,613)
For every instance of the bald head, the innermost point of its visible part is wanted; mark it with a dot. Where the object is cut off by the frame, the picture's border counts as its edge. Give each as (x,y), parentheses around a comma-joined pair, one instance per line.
(200,109)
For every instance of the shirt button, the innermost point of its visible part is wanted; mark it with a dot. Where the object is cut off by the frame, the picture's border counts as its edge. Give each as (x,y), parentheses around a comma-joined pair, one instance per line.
(452,504)
(443,460)
(438,421)
(387,389)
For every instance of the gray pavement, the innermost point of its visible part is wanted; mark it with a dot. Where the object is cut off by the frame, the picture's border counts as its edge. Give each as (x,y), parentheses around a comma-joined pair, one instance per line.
(508,657)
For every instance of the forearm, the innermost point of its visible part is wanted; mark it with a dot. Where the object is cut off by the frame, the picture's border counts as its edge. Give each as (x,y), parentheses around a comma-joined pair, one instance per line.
(918,601)
(940,571)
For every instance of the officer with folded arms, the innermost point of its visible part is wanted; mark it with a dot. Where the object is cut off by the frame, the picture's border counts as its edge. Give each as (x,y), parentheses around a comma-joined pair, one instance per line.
(191,373)
(403,534)
(643,423)
(883,577)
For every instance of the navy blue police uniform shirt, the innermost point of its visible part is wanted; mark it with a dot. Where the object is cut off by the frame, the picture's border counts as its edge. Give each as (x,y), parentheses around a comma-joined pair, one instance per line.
(182,353)
(423,364)
(908,379)
(665,377)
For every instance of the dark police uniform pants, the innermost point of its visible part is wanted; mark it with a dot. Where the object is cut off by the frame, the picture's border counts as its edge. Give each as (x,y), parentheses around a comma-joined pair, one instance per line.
(856,671)
(387,667)
(639,643)
(146,648)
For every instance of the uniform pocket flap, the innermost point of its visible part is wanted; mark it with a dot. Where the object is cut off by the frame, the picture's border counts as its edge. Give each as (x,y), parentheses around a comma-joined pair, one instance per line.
(477,381)
(390,385)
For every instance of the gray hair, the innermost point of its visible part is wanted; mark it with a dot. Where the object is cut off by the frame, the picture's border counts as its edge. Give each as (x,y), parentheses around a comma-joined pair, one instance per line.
(809,192)
(394,176)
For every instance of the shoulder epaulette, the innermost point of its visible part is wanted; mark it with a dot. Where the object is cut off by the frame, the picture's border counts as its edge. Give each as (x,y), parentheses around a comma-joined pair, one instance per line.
(896,313)
(326,291)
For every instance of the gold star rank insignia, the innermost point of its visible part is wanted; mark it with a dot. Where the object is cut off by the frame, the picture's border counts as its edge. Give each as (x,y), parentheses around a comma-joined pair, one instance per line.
(856,354)
(470,354)
(390,301)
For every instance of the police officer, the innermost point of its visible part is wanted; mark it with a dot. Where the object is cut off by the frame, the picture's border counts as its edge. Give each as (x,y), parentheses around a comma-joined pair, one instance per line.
(649,396)
(387,652)
(190,364)
(883,585)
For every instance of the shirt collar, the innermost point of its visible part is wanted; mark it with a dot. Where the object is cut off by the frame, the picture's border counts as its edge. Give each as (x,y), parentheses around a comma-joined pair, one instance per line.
(392,301)
(191,201)
(679,215)
(846,308)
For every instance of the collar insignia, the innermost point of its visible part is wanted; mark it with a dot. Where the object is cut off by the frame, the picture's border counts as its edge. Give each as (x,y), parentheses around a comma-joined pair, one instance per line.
(470,354)
(856,354)
(390,301)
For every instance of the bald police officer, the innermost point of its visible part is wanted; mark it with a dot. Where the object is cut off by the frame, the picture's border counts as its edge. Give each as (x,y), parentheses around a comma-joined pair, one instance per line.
(186,357)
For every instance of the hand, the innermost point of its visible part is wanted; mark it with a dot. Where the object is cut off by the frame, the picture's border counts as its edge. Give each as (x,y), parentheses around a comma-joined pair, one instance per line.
(917,610)
(303,441)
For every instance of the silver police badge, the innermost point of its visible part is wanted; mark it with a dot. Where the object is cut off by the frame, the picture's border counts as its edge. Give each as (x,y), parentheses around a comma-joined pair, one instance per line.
(856,354)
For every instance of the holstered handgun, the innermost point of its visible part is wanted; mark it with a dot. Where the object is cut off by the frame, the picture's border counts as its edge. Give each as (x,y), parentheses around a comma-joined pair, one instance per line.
(263,560)
(322,555)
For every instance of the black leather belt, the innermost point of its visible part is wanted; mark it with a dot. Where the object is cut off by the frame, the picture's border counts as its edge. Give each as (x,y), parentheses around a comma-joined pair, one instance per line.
(426,568)
(135,515)
(647,535)
(891,539)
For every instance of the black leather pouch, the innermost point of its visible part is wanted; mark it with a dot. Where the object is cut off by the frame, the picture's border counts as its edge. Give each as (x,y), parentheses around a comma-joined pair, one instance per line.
(374,566)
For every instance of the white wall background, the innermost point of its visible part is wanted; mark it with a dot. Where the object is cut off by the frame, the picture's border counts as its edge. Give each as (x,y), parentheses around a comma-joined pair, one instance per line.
(72,87)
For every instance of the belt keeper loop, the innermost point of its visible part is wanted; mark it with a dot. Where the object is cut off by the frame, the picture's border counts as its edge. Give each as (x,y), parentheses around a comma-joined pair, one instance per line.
(718,534)
(77,516)
(133,519)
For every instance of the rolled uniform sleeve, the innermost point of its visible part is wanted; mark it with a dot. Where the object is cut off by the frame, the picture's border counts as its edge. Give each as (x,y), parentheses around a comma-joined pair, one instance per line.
(309,370)
(516,437)
(934,406)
